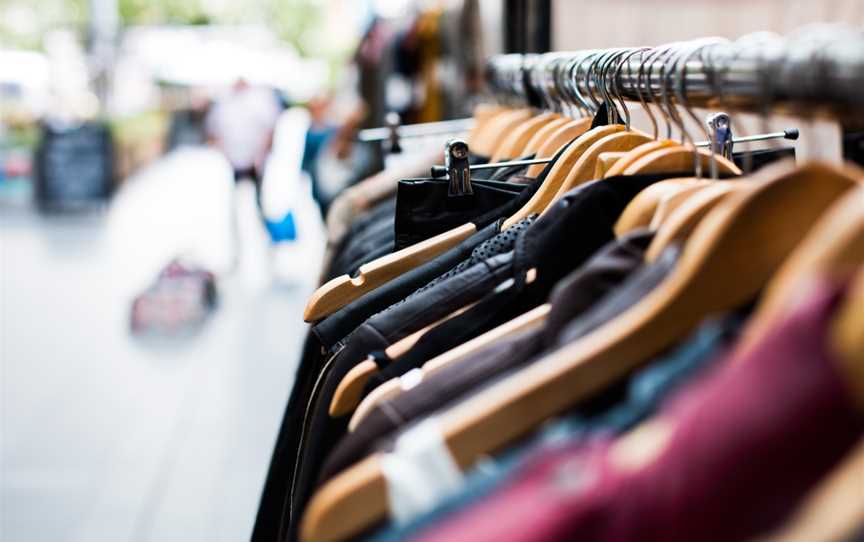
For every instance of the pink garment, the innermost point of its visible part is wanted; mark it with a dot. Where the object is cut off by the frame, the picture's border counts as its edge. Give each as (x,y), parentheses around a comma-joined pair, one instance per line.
(747,441)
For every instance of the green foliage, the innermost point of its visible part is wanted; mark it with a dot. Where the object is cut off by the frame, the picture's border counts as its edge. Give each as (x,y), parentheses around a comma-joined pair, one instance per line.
(24,22)
(162,12)
(293,20)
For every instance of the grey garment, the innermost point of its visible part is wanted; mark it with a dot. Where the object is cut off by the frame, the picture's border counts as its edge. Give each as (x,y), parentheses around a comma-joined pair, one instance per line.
(619,301)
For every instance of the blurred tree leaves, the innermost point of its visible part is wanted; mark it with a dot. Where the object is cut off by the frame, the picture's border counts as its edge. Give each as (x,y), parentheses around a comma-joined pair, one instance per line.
(162,12)
(292,20)
(23,22)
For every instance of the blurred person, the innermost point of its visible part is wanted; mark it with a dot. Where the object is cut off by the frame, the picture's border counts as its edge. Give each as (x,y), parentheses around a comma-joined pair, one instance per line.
(241,124)
(334,121)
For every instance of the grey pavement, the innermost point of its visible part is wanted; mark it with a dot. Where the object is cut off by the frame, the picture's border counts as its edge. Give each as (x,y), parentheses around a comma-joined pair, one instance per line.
(106,437)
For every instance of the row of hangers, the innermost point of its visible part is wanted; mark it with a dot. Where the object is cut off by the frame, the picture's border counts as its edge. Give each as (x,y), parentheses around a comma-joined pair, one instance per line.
(769,231)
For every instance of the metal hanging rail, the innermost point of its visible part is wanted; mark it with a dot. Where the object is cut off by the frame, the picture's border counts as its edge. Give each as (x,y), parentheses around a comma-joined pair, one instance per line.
(816,70)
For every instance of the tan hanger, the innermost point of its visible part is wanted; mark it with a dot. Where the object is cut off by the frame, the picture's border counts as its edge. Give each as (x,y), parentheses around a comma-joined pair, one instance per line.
(634,154)
(687,217)
(542,135)
(393,387)
(641,209)
(725,262)
(678,159)
(514,144)
(484,113)
(833,247)
(342,290)
(583,170)
(496,131)
(558,174)
(560,137)
(605,161)
(672,200)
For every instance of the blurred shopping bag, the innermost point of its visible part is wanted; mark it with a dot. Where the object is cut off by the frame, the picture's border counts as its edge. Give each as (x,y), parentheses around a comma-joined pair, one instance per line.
(177,303)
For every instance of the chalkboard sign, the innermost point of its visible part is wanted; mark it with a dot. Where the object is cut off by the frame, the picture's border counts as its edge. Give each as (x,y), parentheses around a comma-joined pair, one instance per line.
(74,165)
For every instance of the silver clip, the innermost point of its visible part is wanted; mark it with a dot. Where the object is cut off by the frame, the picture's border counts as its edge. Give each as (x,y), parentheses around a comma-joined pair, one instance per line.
(458,169)
(720,127)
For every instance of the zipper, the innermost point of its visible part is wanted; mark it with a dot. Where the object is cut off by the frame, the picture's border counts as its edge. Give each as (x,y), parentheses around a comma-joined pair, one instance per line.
(289,501)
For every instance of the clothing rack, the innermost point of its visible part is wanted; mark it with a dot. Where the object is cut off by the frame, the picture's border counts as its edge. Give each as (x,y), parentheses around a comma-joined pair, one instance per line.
(818,70)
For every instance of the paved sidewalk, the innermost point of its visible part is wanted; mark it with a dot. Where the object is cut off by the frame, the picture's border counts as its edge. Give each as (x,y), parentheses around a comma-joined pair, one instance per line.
(105,437)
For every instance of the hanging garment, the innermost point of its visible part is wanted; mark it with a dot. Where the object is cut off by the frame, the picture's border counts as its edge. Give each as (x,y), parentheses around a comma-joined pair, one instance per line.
(768,425)
(583,220)
(341,323)
(586,286)
(640,398)
(575,294)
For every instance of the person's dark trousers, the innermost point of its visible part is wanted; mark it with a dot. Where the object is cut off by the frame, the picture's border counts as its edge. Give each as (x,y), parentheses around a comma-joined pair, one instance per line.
(254,175)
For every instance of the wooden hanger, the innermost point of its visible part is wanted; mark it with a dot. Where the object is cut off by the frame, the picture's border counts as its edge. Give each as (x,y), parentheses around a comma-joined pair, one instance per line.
(678,159)
(390,389)
(542,135)
(563,135)
(340,291)
(605,162)
(641,209)
(672,200)
(483,113)
(634,154)
(558,174)
(583,170)
(687,217)
(514,143)
(725,262)
(496,131)
(834,247)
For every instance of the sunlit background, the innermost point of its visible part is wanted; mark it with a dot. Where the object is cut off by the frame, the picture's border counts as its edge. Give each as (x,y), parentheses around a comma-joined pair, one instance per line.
(124,424)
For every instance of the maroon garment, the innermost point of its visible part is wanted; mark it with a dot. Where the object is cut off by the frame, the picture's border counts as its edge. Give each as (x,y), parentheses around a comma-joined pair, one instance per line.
(745,444)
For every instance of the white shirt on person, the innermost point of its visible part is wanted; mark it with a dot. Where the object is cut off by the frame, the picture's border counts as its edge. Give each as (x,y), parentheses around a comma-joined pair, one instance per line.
(242,122)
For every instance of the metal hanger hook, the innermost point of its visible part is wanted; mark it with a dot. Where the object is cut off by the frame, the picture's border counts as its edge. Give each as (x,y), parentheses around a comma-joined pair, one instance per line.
(627,55)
